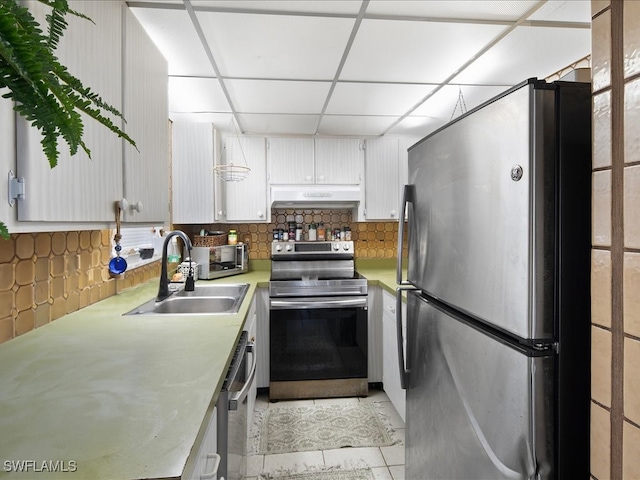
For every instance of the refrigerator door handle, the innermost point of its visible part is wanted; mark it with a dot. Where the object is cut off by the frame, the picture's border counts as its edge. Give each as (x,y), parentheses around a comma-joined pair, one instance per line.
(404,372)
(407,197)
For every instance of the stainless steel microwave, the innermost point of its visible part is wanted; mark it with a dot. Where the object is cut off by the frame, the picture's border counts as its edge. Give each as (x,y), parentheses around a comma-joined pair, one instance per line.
(222,261)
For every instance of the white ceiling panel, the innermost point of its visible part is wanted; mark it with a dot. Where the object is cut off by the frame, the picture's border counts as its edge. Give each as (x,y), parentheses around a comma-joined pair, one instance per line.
(407,51)
(375,98)
(354,125)
(173,33)
(279,124)
(278,59)
(196,95)
(446,102)
(275,46)
(564,11)
(460,9)
(528,52)
(417,126)
(268,96)
(343,7)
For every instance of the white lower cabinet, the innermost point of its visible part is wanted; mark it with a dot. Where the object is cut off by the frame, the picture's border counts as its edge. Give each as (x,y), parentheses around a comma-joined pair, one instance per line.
(262,338)
(390,366)
(207,460)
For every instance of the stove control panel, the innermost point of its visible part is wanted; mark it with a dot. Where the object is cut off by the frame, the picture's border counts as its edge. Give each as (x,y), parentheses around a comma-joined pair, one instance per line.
(311,249)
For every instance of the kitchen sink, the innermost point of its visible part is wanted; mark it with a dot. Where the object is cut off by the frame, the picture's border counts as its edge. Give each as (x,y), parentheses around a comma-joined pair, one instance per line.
(204,300)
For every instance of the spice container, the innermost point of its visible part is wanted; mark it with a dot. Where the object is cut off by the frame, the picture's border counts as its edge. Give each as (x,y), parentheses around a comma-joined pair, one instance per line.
(233,237)
(313,232)
(298,232)
(321,232)
(292,231)
(347,234)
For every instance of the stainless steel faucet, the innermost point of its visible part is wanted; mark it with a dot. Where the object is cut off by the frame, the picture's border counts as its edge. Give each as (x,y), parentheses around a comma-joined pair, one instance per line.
(189,286)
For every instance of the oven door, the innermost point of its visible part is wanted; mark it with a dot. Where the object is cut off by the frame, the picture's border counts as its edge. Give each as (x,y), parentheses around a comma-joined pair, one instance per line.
(318,338)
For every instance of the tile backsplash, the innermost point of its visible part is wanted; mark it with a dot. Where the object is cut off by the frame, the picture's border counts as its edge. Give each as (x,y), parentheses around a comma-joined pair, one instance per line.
(371,239)
(44,276)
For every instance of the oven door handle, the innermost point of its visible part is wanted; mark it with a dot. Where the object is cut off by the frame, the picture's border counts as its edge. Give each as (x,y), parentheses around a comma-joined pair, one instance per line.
(315,303)
(239,397)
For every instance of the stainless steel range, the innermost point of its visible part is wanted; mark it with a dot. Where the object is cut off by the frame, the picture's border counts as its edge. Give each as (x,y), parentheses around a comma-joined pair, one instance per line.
(318,321)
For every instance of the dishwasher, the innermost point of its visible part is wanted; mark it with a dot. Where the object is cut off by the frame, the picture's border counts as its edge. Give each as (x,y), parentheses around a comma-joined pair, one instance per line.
(232,412)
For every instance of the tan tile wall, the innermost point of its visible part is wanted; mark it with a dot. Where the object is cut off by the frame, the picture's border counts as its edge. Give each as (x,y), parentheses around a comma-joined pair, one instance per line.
(371,239)
(615,272)
(44,276)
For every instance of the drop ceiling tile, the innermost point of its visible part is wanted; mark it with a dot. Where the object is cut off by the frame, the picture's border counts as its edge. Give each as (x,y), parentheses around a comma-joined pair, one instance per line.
(469,9)
(564,11)
(447,103)
(375,98)
(528,52)
(354,125)
(416,126)
(276,46)
(174,35)
(308,6)
(188,94)
(271,96)
(408,51)
(279,124)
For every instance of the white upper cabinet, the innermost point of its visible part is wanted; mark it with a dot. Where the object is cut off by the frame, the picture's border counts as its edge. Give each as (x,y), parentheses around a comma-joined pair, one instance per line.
(192,174)
(78,189)
(386,171)
(322,161)
(146,170)
(115,58)
(382,178)
(339,161)
(245,201)
(291,161)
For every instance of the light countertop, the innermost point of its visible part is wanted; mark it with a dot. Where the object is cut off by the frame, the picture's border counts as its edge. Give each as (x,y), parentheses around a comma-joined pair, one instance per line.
(113,396)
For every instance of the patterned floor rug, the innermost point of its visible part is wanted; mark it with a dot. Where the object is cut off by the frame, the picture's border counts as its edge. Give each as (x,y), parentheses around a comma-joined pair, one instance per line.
(359,474)
(322,427)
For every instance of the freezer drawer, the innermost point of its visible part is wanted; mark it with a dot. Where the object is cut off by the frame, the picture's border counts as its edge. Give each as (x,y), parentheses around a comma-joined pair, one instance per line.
(478,408)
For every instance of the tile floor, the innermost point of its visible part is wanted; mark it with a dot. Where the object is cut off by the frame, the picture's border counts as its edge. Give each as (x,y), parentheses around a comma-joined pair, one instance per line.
(386,463)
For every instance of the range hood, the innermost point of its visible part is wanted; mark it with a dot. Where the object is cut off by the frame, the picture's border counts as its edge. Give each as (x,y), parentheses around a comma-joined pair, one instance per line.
(315,196)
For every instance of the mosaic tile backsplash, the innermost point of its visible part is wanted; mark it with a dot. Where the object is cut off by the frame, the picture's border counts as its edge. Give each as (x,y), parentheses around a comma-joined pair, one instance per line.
(371,239)
(44,276)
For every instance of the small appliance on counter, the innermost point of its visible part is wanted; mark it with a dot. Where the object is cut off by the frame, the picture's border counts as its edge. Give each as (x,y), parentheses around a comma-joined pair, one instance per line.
(220,261)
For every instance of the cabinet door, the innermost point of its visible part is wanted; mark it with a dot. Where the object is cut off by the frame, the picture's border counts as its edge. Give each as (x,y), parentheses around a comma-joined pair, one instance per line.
(382,171)
(262,334)
(192,173)
(339,161)
(206,451)
(290,160)
(78,189)
(246,201)
(390,368)
(251,327)
(146,170)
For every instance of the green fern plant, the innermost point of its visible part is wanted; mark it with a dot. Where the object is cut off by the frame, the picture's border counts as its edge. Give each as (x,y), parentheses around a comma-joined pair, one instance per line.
(42,89)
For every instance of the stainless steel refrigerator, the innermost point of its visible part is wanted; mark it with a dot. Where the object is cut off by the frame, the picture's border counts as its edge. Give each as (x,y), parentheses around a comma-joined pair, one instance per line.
(497,364)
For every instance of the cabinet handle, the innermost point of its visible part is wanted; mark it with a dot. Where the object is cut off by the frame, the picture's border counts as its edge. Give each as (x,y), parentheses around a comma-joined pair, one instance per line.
(393,213)
(308,178)
(260,215)
(214,472)
(136,206)
(392,309)
(321,178)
